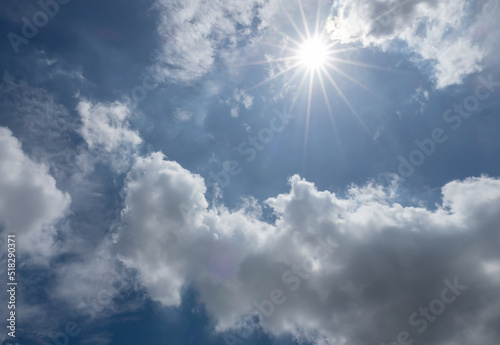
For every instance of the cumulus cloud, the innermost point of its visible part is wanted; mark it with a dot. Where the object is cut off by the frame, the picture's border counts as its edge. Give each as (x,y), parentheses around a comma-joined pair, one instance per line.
(438,31)
(194,32)
(30,202)
(384,261)
(154,190)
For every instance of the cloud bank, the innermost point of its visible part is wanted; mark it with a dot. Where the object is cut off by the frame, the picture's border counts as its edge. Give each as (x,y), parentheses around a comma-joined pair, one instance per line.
(384,262)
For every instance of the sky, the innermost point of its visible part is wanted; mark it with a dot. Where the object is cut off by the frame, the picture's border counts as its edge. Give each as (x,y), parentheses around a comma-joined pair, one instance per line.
(250,172)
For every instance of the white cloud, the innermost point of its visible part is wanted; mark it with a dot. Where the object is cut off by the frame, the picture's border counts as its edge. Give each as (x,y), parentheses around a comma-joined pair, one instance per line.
(182,115)
(106,125)
(239,97)
(436,30)
(107,132)
(234,112)
(30,202)
(242,97)
(390,260)
(155,188)
(194,32)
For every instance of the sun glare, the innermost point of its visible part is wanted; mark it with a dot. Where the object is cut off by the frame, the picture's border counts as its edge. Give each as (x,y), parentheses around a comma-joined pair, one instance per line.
(313,53)
(313,57)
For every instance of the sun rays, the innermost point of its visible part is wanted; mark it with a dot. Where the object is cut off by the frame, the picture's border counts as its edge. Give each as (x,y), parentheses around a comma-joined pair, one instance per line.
(314,59)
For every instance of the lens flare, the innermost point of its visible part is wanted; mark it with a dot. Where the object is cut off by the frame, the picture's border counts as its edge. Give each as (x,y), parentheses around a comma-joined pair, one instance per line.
(313,53)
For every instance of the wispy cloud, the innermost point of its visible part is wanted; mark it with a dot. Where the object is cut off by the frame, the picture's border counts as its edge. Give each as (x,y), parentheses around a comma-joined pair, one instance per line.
(194,33)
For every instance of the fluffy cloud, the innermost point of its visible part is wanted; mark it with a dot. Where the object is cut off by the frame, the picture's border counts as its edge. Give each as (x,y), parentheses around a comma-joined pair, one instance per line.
(194,32)
(30,202)
(436,30)
(107,132)
(106,125)
(349,269)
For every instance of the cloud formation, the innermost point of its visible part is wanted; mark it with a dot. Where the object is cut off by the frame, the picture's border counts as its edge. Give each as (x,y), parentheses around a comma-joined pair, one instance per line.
(106,130)
(387,260)
(194,32)
(30,202)
(438,31)
(106,125)
(45,128)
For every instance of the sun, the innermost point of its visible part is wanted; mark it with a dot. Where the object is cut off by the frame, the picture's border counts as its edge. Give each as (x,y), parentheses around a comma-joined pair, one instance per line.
(313,53)
(313,57)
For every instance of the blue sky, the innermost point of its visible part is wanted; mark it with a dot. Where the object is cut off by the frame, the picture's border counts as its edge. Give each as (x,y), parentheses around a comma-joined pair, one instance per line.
(187,172)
